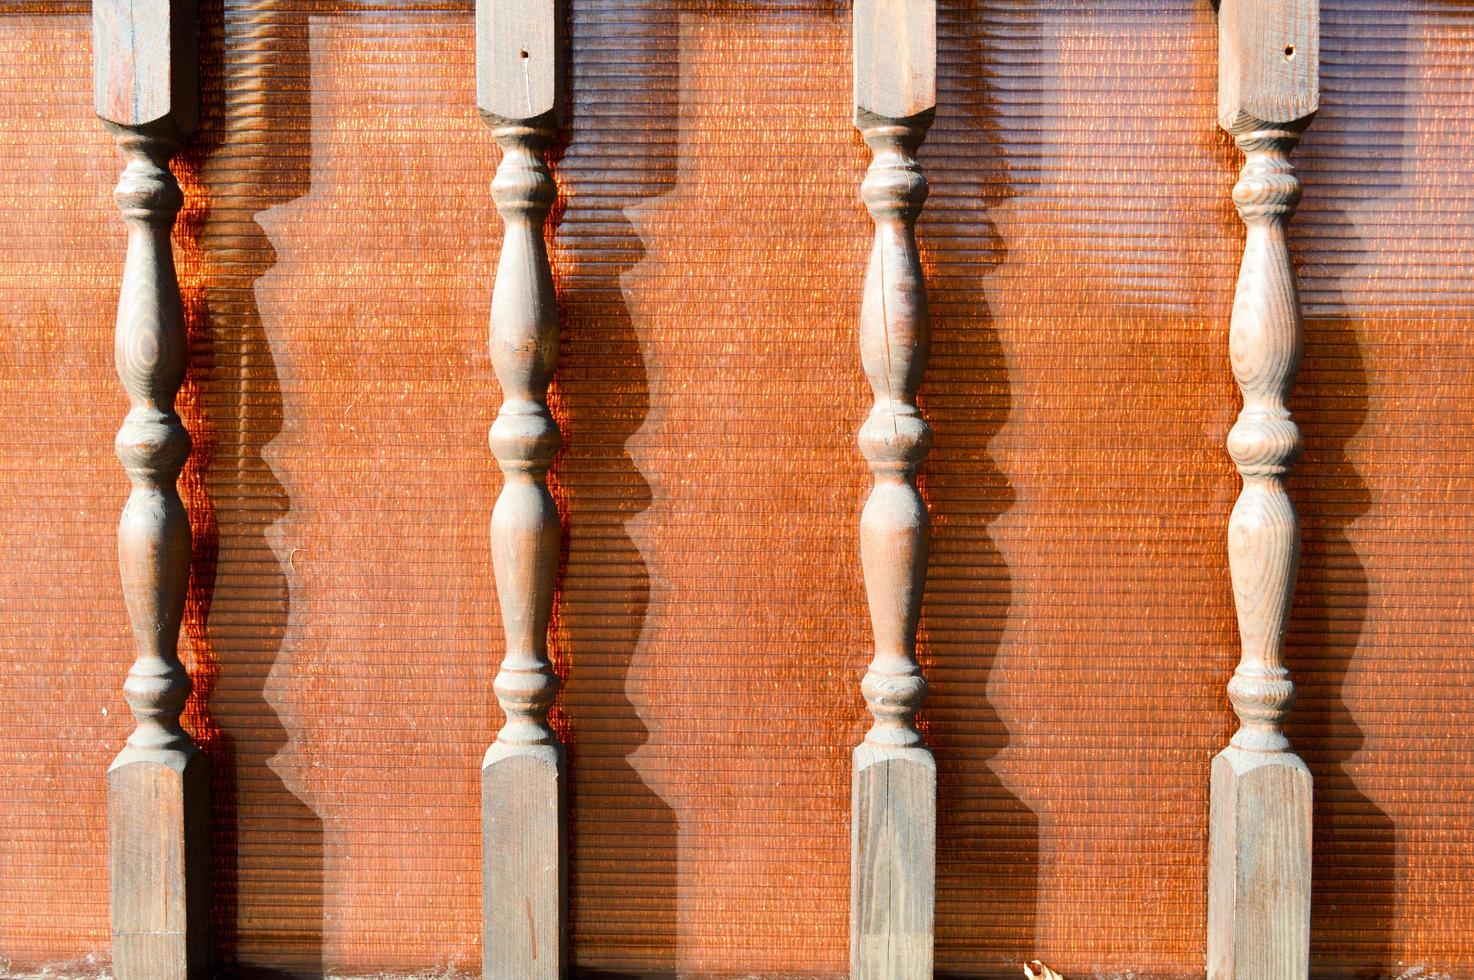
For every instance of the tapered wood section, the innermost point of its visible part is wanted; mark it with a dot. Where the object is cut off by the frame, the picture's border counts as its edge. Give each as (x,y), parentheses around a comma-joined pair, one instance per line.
(1259,877)
(524,881)
(146,91)
(893,819)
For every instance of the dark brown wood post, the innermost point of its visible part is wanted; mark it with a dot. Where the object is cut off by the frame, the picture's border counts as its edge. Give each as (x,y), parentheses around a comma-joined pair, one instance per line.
(894,787)
(519,88)
(1259,873)
(145,71)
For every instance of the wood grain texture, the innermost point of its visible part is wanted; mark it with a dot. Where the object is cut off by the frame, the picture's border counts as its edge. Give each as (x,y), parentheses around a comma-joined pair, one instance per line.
(526,844)
(520,65)
(709,392)
(893,793)
(1259,850)
(1268,61)
(893,853)
(1260,811)
(145,65)
(146,92)
(524,881)
(895,61)
(158,815)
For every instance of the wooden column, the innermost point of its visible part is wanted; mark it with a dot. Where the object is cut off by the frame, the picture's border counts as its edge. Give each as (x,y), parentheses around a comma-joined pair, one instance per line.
(1259,878)
(145,70)
(894,787)
(519,86)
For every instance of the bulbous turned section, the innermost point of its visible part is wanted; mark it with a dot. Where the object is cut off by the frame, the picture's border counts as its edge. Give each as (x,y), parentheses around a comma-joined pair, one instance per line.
(523,187)
(1267,188)
(525,529)
(152,445)
(1265,347)
(894,438)
(156,691)
(526,687)
(1264,442)
(151,355)
(524,438)
(1261,696)
(894,188)
(147,190)
(894,691)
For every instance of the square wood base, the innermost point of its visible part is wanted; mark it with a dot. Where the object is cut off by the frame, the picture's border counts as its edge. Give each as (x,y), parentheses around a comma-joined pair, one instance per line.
(524,865)
(893,863)
(1259,867)
(159,829)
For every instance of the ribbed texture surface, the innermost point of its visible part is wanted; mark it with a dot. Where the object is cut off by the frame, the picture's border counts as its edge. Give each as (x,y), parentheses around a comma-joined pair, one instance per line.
(337,254)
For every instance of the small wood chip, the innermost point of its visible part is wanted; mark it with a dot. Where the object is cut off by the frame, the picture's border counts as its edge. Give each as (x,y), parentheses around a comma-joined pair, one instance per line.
(1035,970)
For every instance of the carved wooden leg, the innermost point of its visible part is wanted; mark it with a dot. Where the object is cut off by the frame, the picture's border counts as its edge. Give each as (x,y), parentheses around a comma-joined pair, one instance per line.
(1259,877)
(894,788)
(158,807)
(523,777)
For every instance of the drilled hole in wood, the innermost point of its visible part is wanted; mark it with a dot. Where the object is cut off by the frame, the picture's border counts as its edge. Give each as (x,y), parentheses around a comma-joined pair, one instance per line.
(1289,52)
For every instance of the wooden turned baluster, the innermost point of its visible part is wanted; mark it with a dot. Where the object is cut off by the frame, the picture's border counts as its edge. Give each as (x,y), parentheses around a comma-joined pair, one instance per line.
(893,819)
(146,93)
(519,47)
(1259,875)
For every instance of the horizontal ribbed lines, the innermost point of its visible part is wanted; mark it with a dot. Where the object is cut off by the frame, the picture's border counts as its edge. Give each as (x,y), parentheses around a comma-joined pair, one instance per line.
(1080,246)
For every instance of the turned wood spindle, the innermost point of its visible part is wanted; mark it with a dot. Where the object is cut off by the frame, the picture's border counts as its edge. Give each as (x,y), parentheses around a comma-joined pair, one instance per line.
(1259,875)
(519,57)
(146,93)
(893,820)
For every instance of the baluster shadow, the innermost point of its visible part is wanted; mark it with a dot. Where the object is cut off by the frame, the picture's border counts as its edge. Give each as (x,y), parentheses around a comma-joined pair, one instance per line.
(253,153)
(1354,870)
(987,838)
(619,153)
(1355,842)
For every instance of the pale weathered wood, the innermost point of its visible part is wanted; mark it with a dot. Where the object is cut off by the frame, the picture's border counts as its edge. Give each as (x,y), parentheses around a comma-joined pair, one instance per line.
(895,62)
(893,819)
(145,62)
(1268,61)
(520,63)
(145,57)
(1260,820)
(523,777)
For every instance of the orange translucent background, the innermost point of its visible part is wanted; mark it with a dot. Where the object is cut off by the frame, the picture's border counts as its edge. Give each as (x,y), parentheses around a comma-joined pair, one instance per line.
(336,257)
